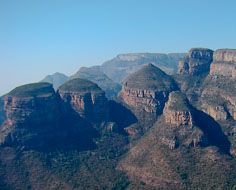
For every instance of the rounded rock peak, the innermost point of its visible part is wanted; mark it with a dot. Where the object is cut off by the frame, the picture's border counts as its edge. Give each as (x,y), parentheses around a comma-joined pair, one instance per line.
(33,90)
(150,77)
(80,85)
(199,53)
(200,49)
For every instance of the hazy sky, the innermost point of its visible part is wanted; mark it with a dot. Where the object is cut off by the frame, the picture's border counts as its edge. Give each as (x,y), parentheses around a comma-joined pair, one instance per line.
(40,37)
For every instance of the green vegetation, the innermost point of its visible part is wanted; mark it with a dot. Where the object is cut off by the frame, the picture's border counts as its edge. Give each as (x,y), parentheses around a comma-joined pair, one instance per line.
(178,101)
(184,167)
(80,85)
(60,169)
(150,78)
(33,89)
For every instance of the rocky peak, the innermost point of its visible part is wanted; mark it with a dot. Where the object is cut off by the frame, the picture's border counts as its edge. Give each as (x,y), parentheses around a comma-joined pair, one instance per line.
(147,89)
(32,112)
(177,111)
(224,63)
(30,103)
(196,62)
(86,98)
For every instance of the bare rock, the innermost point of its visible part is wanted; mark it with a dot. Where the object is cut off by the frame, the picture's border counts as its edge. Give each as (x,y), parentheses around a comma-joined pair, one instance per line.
(85,98)
(224,63)
(30,103)
(217,112)
(177,111)
(147,89)
(196,62)
(33,111)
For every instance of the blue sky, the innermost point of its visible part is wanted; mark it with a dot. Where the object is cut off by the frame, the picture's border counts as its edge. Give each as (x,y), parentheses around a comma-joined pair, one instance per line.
(40,37)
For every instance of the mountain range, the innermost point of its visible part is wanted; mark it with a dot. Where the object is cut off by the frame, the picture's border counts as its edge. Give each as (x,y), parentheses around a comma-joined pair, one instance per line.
(139,121)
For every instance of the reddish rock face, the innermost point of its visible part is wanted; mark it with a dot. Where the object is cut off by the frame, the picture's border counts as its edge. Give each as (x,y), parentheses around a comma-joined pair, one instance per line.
(217,112)
(87,105)
(176,110)
(90,104)
(32,109)
(224,63)
(147,89)
(196,62)
(218,97)
(21,110)
(148,100)
(225,55)
(33,116)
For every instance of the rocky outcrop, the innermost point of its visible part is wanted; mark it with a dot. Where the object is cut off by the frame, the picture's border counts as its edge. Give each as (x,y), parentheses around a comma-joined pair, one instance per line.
(30,103)
(32,113)
(177,111)
(196,62)
(224,63)
(217,112)
(147,89)
(180,128)
(147,100)
(85,98)
(218,97)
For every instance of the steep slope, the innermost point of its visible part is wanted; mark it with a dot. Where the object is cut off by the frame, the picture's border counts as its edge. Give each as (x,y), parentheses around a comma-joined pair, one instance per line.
(192,71)
(123,65)
(146,92)
(28,108)
(196,62)
(224,63)
(176,154)
(86,98)
(213,91)
(96,75)
(218,93)
(56,79)
(45,144)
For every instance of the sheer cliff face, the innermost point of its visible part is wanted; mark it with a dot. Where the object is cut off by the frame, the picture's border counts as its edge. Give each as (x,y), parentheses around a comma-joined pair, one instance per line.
(27,107)
(224,63)
(176,111)
(218,95)
(196,62)
(147,89)
(168,146)
(32,112)
(85,98)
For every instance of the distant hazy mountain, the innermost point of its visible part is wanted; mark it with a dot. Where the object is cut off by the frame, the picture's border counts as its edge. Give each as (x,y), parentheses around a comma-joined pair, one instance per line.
(96,75)
(124,64)
(56,79)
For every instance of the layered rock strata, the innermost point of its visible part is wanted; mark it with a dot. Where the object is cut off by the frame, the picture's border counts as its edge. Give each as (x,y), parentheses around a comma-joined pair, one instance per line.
(85,98)
(224,63)
(147,89)
(196,62)
(32,112)
(176,110)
